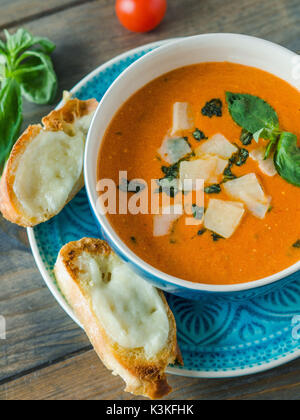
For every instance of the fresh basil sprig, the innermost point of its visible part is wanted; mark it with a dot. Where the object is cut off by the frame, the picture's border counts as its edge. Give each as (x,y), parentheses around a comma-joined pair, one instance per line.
(25,70)
(257,117)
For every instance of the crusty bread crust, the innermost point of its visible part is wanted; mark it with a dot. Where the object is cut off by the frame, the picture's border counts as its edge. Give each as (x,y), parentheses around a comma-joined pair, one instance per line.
(63,119)
(142,376)
(60,120)
(9,206)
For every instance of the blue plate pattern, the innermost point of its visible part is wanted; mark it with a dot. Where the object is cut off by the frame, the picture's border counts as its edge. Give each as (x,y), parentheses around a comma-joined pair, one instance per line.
(218,338)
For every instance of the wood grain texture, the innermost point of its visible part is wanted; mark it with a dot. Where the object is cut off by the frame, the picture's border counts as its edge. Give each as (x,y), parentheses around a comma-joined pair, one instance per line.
(39,333)
(88,35)
(19,11)
(62,381)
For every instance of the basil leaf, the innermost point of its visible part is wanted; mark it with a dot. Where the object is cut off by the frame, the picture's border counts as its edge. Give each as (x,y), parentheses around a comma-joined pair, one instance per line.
(251,112)
(22,40)
(271,145)
(25,69)
(287,158)
(10,117)
(37,78)
(16,41)
(258,134)
(47,46)
(2,72)
(3,49)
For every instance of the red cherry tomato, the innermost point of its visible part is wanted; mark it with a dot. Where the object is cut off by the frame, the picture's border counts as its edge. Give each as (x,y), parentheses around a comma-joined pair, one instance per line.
(141,15)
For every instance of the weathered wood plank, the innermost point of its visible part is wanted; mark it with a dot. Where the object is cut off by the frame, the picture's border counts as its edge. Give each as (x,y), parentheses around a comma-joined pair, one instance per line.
(17,11)
(96,36)
(38,331)
(86,36)
(83,377)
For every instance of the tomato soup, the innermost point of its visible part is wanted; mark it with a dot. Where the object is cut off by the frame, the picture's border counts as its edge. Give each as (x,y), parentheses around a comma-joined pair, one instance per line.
(259,246)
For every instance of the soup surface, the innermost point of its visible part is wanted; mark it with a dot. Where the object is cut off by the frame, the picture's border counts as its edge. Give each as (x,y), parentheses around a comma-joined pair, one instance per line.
(258,247)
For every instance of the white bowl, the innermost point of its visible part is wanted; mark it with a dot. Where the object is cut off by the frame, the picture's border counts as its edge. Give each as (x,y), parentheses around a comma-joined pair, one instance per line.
(234,48)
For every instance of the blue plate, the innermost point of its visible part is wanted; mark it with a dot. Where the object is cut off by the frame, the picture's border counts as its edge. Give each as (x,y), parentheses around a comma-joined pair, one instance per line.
(217,338)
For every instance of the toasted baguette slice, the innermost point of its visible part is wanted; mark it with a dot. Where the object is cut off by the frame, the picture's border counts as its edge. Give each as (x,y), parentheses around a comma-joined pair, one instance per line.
(113,304)
(45,168)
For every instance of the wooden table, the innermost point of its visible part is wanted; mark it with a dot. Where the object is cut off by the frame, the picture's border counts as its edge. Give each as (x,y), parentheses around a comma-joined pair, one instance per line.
(46,356)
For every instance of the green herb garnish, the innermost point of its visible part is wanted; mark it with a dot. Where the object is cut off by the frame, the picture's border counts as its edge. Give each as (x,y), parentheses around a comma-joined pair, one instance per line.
(257,116)
(133,239)
(213,108)
(216,237)
(199,135)
(131,186)
(271,146)
(241,157)
(213,189)
(228,175)
(25,70)
(238,159)
(168,185)
(287,158)
(201,232)
(251,112)
(198,212)
(297,244)
(171,171)
(246,137)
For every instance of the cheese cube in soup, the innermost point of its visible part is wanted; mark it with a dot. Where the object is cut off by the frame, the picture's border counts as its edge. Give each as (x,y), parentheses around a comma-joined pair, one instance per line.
(183,118)
(220,167)
(266,166)
(208,168)
(223,217)
(248,189)
(162,223)
(200,169)
(217,145)
(174,149)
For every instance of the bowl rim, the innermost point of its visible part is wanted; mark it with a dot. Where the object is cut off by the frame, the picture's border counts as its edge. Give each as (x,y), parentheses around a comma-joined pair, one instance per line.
(110,233)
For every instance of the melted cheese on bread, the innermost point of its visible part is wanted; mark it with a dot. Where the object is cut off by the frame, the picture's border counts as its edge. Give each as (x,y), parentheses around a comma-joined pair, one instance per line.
(48,170)
(130,310)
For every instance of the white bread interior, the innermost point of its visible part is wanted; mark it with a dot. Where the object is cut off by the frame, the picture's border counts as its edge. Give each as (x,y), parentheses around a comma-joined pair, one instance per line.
(129,306)
(45,168)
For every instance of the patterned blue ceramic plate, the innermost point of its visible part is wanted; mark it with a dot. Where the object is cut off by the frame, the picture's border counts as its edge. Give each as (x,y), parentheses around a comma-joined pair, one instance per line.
(217,339)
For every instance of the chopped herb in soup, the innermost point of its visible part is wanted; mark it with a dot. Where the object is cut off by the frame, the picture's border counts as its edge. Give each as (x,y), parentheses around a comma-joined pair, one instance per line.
(213,108)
